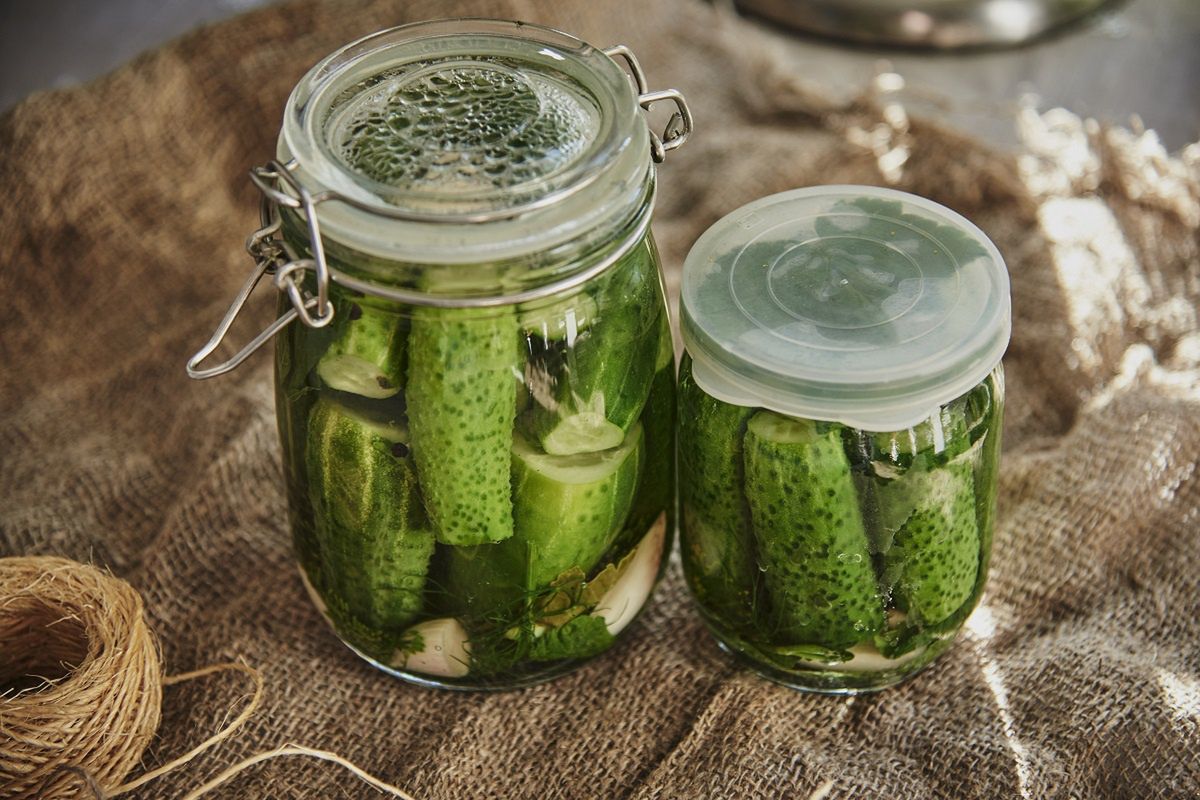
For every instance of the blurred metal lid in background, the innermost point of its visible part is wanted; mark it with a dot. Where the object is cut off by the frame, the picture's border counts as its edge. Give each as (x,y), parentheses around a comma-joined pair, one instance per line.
(942,24)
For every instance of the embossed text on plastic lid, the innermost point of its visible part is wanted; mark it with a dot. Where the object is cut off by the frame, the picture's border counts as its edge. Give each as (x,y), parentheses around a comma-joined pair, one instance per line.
(494,139)
(854,304)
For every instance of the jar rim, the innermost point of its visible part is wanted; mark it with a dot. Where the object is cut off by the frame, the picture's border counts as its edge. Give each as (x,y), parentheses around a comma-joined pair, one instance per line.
(599,189)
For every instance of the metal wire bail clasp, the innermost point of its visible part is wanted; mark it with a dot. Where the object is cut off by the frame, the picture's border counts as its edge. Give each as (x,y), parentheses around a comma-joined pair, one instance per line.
(678,127)
(272,256)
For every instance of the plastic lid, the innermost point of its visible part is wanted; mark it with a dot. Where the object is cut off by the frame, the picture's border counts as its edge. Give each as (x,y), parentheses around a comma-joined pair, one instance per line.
(854,304)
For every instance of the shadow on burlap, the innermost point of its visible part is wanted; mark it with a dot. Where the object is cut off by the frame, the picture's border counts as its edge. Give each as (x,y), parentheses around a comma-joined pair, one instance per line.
(125,205)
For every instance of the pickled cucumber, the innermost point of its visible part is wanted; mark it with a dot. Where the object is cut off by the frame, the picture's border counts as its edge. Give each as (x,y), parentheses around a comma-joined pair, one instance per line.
(367,354)
(928,529)
(810,538)
(567,511)
(935,555)
(601,383)
(655,494)
(374,537)
(900,462)
(719,547)
(562,320)
(461,409)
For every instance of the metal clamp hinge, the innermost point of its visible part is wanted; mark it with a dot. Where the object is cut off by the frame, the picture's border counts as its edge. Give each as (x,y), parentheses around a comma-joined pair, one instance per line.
(678,127)
(273,257)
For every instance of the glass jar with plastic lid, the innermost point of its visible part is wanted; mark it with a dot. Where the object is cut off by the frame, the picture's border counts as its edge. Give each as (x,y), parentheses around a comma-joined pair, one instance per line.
(476,403)
(840,403)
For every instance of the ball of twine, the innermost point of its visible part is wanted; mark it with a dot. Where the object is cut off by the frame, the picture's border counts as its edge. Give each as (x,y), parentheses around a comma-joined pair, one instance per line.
(81,686)
(80,679)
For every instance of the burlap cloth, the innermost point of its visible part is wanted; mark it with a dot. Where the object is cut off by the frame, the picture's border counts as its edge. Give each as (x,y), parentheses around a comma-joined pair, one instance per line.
(123,205)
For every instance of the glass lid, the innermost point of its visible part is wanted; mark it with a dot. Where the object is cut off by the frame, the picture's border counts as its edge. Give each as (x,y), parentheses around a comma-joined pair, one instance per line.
(455,123)
(855,304)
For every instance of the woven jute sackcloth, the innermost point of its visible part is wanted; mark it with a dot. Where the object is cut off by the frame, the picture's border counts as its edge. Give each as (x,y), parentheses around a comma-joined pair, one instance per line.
(125,204)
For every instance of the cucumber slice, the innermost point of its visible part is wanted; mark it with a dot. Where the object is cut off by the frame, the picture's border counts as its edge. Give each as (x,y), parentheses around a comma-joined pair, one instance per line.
(717,544)
(584,432)
(461,410)
(374,537)
(367,354)
(567,511)
(811,542)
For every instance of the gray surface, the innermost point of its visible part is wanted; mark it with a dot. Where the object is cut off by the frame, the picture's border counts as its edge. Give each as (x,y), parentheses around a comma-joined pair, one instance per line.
(1141,57)
(50,43)
(1134,58)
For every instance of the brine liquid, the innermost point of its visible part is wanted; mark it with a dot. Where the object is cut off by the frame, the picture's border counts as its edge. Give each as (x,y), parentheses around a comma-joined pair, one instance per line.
(482,499)
(829,558)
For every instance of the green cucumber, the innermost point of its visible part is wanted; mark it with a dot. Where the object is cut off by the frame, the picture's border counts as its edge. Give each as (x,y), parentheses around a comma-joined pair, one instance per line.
(718,546)
(567,511)
(561,320)
(374,537)
(600,383)
(366,356)
(656,493)
(811,542)
(934,558)
(462,404)
(899,463)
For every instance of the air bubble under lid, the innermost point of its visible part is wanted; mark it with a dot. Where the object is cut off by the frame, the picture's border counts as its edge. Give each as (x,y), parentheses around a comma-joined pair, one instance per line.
(855,304)
(490,139)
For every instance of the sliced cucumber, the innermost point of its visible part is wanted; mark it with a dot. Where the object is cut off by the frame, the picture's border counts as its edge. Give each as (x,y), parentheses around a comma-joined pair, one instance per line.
(367,354)
(567,511)
(461,407)
(582,432)
(374,537)
(811,542)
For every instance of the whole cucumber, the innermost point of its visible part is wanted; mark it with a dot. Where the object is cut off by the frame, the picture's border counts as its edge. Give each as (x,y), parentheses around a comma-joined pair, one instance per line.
(717,543)
(809,533)
(655,492)
(374,537)
(935,554)
(461,396)
(928,525)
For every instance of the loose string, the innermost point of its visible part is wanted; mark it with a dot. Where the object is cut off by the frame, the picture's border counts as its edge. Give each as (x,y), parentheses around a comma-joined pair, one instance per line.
(216,738)
(297,750)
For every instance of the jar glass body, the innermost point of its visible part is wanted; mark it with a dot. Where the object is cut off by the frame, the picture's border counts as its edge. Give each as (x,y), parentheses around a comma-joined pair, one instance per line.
(833,559)
(479,497)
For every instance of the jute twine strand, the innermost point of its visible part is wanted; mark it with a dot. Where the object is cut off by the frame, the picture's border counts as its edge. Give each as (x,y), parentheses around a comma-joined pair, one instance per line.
(81,688)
